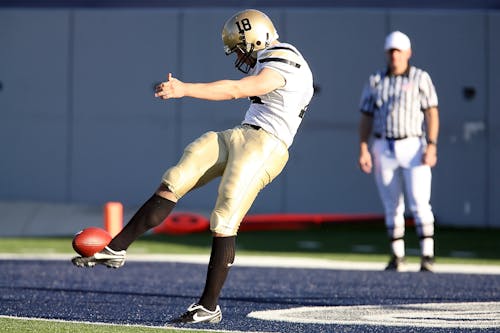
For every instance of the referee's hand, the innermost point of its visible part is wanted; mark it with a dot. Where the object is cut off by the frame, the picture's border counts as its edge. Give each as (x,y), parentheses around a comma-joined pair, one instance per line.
(430,156)
(365,161)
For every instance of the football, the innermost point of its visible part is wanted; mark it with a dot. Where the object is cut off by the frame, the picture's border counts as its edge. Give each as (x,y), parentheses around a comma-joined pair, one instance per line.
(90,240)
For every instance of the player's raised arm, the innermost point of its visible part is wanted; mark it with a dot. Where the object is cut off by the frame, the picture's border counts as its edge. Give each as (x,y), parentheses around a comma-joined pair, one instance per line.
(254,85)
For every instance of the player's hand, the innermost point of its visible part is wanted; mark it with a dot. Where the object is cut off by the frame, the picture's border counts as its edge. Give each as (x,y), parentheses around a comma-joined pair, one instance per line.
(172,88)
(430,156)
(365,161)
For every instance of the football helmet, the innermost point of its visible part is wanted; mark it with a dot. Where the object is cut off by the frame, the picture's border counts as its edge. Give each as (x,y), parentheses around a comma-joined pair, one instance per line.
(247,32)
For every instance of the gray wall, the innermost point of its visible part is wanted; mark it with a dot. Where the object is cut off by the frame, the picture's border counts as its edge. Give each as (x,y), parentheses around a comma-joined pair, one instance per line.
(79,124)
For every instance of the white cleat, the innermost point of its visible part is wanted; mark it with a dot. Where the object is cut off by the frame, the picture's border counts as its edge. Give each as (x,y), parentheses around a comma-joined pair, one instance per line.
(107,257)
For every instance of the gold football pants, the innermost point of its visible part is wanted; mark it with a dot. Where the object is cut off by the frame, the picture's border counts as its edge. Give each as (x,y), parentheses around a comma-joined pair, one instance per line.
(247,160)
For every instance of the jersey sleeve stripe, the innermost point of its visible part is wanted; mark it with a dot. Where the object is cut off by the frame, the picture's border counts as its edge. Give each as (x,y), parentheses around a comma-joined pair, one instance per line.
(288,62)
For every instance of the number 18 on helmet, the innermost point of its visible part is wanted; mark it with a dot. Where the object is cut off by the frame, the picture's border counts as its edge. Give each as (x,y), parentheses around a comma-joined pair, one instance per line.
(245,33)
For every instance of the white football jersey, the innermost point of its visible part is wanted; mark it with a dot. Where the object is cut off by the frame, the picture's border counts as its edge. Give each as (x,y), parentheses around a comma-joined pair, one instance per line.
(280,112)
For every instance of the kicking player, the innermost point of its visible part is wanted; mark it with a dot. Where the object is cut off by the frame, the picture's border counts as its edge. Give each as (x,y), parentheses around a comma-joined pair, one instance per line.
(247,157)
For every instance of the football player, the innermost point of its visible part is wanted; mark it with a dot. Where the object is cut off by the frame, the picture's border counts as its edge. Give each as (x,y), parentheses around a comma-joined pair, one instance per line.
(247,157)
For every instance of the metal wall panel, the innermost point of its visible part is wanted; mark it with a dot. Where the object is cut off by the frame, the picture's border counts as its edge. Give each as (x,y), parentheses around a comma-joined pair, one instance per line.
(79,123)
(123,137)
(34,92)
(343,48)
(493,120)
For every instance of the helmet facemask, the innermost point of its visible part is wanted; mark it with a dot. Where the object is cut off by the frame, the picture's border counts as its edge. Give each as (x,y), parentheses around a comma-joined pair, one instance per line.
(245,60)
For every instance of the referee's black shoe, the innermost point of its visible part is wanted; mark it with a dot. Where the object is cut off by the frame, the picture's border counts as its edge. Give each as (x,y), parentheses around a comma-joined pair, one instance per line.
(397,264)
(427,264)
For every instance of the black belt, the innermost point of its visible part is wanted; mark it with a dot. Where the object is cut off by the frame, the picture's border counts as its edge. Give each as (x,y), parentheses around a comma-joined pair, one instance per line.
(255,127)
(379,136)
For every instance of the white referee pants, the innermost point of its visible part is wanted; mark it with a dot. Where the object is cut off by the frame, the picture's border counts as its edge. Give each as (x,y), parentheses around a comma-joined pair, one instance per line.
(399,171)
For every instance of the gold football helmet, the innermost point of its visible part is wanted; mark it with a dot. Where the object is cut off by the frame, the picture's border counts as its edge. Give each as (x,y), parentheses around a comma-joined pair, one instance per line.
(247,32)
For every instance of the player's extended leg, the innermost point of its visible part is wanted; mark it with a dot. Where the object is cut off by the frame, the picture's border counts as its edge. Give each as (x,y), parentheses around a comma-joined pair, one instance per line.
(390,188)
(418,180)
(203,160)
(150,215)
(255,159)
(199,164)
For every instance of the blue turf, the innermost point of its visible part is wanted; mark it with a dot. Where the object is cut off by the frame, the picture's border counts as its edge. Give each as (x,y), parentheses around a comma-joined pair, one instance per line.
(147,293)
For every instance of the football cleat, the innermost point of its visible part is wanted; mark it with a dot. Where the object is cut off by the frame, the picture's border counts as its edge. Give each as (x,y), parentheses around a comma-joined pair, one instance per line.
(107,257)
(427,264)
(397,264)
(197,313)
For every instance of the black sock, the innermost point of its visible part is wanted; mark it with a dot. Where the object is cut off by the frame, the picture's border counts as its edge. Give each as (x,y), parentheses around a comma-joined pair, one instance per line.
(152,213)
(221,258)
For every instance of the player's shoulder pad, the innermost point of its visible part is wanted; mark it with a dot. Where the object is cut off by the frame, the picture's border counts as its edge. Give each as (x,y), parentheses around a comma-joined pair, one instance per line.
(281,54)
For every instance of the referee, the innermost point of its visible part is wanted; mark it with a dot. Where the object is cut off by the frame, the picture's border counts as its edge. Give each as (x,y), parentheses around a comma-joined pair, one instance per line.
(399,117)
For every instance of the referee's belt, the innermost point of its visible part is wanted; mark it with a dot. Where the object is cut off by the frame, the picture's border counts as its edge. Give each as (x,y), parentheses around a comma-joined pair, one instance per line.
(380,136)
(255,127)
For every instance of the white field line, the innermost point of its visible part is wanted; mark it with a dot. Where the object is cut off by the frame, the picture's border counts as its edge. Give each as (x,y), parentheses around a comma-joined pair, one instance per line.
(270,261)
(451,315)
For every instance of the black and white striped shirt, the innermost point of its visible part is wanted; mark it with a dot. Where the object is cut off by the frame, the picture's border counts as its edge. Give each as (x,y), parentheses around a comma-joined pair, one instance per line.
(397,102)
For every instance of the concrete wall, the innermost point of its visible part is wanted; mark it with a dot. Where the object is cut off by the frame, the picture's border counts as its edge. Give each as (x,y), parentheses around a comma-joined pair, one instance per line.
(79,124)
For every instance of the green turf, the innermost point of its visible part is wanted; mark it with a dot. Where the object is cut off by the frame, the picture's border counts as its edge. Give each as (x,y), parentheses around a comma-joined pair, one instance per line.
(357,242)
(15,325)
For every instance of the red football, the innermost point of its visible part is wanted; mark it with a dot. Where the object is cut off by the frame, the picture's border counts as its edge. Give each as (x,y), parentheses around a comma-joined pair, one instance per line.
(90,241)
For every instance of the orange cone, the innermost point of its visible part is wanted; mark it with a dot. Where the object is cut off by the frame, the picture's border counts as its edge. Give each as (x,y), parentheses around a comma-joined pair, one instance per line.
(113,217)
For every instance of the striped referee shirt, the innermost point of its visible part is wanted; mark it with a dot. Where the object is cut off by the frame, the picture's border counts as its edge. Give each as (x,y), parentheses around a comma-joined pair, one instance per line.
(397,102)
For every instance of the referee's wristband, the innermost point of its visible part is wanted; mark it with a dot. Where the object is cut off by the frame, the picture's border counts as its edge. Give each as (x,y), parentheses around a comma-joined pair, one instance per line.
(432,142)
